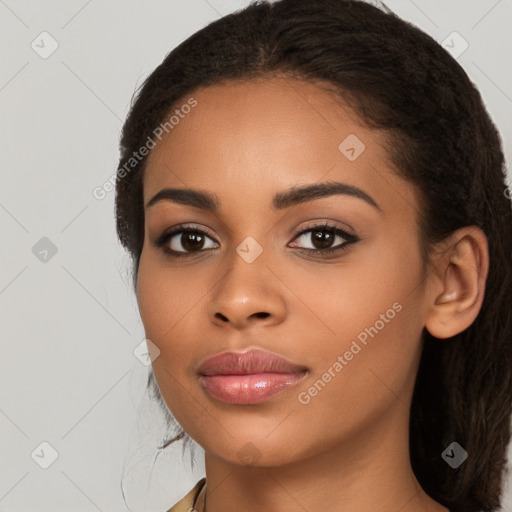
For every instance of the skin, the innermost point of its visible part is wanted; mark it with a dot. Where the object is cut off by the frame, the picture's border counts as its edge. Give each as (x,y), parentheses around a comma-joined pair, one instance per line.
(347,449)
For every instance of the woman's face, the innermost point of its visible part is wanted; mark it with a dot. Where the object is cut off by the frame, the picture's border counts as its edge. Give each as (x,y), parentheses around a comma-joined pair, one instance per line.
(351,319)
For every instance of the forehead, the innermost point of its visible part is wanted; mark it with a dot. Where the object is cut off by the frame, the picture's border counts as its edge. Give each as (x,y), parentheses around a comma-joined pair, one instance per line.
(264,135)
(234,117)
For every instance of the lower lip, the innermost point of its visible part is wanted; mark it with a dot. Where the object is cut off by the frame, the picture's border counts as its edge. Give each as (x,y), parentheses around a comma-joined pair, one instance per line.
(249,389)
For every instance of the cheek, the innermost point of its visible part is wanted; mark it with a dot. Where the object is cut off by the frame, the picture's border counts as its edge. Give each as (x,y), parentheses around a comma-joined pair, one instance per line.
(172,305)
(368,323)
(167,303)
(339,301)
(165,298)
(155,304)
(361,373)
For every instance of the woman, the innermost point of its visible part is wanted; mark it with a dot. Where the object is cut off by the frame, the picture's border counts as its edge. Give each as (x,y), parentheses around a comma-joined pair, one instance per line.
(314,198)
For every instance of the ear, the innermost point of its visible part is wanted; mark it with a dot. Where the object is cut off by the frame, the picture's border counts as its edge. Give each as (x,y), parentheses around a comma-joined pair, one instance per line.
(457,282)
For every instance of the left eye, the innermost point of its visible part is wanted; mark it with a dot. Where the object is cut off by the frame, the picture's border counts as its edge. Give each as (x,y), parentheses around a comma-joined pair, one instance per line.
(322,238)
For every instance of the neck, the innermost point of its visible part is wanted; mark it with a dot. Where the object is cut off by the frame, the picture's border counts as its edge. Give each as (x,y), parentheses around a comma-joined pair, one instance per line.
(370,471)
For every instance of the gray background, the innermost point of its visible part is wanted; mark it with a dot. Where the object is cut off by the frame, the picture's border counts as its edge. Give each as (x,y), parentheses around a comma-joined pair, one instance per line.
(70,324)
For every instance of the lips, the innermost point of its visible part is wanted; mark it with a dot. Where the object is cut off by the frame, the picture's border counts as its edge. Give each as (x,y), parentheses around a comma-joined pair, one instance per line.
(246,363)
(248,377)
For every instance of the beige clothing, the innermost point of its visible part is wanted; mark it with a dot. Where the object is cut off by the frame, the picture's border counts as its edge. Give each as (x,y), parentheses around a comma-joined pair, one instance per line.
(186,504)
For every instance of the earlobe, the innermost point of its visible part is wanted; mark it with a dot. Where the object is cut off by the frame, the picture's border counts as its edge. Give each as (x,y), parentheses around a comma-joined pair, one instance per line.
(459,283)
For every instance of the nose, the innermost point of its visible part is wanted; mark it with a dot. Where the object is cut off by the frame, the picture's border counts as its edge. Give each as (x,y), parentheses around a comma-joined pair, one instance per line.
(247,294)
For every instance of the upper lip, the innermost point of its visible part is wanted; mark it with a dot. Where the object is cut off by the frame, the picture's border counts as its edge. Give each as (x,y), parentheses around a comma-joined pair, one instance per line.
(246,363)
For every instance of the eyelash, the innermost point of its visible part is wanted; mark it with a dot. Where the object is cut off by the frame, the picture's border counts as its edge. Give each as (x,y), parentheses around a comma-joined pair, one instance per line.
(182,228)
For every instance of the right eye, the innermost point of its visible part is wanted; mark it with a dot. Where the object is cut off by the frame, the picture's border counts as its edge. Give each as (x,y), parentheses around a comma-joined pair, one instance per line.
(190,240)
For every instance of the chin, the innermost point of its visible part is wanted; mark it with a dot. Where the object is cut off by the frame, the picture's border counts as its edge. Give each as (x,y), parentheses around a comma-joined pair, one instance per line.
(247,451)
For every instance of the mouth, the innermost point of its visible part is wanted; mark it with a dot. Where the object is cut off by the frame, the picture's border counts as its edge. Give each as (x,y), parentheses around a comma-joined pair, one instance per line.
(248,377)
(249,389)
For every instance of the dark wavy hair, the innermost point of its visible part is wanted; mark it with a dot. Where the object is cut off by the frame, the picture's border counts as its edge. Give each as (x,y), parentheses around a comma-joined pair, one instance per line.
(399,80)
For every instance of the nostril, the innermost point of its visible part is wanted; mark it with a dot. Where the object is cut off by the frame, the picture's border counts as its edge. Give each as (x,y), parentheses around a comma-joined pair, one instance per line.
(262,314)
(221,316)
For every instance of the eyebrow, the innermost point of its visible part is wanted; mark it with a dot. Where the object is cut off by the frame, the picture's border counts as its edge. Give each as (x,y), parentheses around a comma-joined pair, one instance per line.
(291,197)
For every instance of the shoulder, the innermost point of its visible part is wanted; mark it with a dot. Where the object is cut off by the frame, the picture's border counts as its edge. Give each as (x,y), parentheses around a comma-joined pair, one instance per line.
(186,503)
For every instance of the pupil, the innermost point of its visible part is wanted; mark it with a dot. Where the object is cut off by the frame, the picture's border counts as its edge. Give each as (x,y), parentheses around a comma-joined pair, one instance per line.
(192,240)
(324,238)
